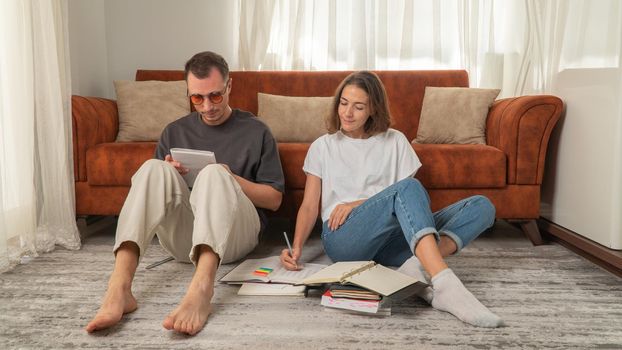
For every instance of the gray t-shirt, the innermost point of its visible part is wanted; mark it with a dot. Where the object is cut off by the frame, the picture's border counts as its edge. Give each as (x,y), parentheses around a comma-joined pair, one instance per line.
(243,142)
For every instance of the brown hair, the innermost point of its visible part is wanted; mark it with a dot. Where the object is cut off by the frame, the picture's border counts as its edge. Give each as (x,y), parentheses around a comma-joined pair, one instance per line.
(380,116)
(202,63)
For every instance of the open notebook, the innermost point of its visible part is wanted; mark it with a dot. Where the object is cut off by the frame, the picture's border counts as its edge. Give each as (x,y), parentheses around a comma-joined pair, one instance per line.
(245,272)
(369,275)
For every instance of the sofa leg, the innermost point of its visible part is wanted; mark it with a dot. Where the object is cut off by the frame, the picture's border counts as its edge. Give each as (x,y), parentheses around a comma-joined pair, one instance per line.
(81,223)
(89,224)
(530,228)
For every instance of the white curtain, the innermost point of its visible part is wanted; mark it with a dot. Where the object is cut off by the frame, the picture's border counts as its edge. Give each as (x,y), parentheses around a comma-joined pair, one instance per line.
(516,45)
(37,210)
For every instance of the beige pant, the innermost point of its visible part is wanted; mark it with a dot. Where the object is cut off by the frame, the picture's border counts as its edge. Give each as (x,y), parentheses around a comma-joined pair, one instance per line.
(215,213)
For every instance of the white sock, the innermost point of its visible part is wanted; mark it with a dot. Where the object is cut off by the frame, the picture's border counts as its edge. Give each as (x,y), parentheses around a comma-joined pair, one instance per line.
(412,267)
(451,295)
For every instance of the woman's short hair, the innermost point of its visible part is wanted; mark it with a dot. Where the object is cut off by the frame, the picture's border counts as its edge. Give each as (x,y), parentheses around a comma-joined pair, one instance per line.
(380,116)
(202,63)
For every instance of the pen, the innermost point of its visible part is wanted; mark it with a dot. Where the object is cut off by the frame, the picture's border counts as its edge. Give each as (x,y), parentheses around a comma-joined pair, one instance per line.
(289,246)
(159,262)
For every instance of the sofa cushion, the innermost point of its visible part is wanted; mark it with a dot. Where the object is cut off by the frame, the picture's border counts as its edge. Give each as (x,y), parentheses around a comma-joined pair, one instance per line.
(294,118)
(146,107)
(461,166)
(454,115)
(113,164)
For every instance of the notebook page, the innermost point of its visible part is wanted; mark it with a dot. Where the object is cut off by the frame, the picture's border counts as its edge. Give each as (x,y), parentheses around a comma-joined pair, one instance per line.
(382,280)
(244,271)
(335,272)
(283,275)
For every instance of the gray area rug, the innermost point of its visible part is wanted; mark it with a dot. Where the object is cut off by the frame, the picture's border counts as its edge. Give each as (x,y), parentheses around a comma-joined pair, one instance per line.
(549,298)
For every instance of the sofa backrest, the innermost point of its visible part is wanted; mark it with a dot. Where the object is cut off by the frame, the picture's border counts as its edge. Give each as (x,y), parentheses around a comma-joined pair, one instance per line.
(405,88)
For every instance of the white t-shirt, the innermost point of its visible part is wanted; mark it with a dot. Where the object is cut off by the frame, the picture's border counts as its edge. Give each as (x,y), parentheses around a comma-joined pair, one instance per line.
(353,169)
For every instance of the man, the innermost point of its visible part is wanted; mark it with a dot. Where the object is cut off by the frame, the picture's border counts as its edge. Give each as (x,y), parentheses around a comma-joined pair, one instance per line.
(215,222)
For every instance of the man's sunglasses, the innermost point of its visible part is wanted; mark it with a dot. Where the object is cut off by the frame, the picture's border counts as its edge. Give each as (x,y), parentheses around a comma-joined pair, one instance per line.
(213,97)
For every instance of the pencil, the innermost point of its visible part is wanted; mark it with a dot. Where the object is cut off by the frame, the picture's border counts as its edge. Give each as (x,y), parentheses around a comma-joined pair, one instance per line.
(157,263)
(289,246)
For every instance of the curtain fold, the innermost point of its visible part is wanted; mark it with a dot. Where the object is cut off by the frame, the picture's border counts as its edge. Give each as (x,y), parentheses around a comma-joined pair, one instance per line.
(37,211)
(519,46)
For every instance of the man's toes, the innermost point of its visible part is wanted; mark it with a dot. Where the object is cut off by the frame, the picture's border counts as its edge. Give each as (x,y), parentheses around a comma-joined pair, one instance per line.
(90,327)
(167,323)
(93,326)
(177,326)
(101,322)
(197,327)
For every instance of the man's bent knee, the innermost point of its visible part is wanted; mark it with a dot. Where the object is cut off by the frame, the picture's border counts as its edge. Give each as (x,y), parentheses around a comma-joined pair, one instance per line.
(214,169)
(154,163)
(153,166)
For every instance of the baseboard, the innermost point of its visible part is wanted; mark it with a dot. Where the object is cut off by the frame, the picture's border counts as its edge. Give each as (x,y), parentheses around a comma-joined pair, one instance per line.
(607,258)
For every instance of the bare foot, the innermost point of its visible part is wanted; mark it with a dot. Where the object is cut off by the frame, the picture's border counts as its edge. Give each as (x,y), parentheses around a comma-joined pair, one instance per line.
(191,314)
(117,302)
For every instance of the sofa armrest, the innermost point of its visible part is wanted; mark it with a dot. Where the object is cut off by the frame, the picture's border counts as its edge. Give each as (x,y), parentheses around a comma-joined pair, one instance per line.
(95,120)
(521,127)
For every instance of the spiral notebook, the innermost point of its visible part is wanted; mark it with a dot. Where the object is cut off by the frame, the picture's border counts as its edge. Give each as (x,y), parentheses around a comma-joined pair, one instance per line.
(369,275)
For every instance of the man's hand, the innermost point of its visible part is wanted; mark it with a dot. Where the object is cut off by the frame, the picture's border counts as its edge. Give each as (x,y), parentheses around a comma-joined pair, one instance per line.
(176,165)
(226,168)
(290,262)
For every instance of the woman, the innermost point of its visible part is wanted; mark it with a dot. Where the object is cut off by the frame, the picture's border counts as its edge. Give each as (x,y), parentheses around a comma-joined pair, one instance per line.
(373,208)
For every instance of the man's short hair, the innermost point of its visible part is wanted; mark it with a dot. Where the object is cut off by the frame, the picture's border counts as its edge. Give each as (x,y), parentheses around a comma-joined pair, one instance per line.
(202,63)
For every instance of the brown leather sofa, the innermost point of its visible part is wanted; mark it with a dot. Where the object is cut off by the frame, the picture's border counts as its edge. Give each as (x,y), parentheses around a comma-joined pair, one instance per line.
(508,170)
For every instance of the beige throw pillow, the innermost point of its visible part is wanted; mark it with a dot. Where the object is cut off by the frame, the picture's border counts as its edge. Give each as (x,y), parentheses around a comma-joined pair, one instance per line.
(146,107)
(294,119)
(454,115)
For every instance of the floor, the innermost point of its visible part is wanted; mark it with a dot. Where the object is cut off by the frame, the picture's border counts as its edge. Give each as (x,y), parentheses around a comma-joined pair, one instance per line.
(549,297)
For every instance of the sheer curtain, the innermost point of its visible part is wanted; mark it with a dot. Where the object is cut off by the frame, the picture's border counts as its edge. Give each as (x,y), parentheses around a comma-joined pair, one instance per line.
(516,45)
(36,177)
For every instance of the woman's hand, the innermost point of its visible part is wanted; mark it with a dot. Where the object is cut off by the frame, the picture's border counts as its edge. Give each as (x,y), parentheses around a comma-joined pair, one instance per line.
(176,164)
(339,215)
(290,262)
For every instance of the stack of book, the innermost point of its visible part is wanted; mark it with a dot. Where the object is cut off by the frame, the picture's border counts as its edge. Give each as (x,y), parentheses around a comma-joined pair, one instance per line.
(355,299)
(363,286)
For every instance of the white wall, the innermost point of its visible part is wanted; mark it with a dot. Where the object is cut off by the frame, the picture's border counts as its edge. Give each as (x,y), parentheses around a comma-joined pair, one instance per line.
(87,48)
(109,40)
(582,188)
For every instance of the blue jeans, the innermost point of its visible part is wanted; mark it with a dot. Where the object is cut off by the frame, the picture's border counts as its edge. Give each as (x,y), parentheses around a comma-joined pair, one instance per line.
(387,227)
